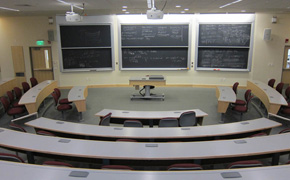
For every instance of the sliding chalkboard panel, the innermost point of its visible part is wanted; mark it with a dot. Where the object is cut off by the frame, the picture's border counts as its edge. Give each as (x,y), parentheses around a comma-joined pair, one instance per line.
(86,58)
(86,47)
(224,47)
(223,58)
(154,35)
(154,46)
(224,34)
(85,36)
(154,58)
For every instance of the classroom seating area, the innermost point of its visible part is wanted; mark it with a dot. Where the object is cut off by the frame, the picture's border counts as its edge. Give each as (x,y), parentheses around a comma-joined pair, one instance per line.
(158,131)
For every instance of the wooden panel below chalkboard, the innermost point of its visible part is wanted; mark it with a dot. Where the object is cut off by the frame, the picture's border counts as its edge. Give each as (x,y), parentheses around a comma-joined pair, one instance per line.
(154,58)
(154,35)
(86,58)
(224,35)
(228,58)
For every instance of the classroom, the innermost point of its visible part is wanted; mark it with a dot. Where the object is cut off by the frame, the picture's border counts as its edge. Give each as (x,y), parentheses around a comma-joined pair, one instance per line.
(192,57)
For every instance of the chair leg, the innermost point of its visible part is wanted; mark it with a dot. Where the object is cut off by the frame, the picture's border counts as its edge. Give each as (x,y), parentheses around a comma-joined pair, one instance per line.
(63,115)
(241,118)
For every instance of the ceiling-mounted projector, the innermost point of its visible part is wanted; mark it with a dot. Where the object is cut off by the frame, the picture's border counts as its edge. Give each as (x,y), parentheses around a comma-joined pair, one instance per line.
(73,17)
(153,13)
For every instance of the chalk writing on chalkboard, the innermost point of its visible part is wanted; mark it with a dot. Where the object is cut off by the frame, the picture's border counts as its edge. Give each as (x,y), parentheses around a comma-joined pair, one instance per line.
(154,58)
(86,58)
(223,58)
(224,34)
(154,35)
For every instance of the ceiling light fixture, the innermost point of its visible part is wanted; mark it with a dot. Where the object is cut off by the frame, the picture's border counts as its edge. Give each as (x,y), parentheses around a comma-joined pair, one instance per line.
(178,6)
(186,9)
(9,9)
(234,2)
(124,7)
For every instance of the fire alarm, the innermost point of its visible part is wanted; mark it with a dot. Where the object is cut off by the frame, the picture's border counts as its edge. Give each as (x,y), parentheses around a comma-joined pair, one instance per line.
(286,40)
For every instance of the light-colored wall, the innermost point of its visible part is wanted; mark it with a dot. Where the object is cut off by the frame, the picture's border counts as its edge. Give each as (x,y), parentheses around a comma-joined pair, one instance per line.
(266,62)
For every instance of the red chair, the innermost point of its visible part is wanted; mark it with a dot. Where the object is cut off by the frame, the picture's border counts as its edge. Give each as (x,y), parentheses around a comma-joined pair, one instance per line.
(279,87)
(57,163)
(13,101)
(271,82)
(183,167)
(245,164)
(61,101)
(17,127)
(105,121)
(116,167)
(25,86)
(60,107)
(258,134)
(13,111)
(287,130)
(235,87)
(45,133)
(11,157)
(33,81)
(287,94)
(241,102)
(243,109)
(18,92)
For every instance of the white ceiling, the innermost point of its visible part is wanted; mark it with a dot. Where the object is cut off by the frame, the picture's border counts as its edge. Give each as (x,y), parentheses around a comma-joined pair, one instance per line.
(95,7)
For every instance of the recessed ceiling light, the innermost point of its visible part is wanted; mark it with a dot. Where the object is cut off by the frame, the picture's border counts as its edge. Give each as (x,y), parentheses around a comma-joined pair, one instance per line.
(9,9)
(182,12)
(124,6)
(243,11)
(124,9)
(186,9)
(178,6)
(127,12)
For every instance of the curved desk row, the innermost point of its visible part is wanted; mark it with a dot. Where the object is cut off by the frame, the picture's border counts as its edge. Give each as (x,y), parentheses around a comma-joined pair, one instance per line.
(271,145)
(119,116)
(35,95)
(209,132)
(16,171)
(271,98)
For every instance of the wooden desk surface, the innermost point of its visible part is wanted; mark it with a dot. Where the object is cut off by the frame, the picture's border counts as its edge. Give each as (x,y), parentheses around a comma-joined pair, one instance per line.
(225,96)
(7,84)
(147,114)
(35,95)
(17,171)
(145,151)
(152,133)
(78,93)
(271,98)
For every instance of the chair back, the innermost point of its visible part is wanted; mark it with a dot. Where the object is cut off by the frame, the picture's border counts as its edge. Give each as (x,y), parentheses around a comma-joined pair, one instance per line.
(25,86)
(116,167)
(18,92)
(287,93)
(10,96)
(55,98)
(17,127)
(44,133)
(258,134)
(56,163)
(10,157)
(188,119)
(33,81)
(247,94)
(279,87)
(133,123)
(183,167)
(57,92)
(168,122)
(5,103)
(245,164)
(271,82)
(105,121)
(235,87)
(287,130)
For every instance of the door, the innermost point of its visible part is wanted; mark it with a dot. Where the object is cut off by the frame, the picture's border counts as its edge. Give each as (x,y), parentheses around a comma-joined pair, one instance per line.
(286,66)
(18,64)
(41,63)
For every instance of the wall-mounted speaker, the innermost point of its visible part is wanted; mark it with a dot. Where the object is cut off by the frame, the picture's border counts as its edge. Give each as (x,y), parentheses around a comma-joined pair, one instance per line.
(267,34)
(50,35)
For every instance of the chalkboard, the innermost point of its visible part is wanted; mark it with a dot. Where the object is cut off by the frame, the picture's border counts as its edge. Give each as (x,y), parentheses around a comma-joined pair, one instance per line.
(236,58)
(85,36)
(154,58)
(86,58)
(154,35)
(224,47)
(224,34)
(86,47)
